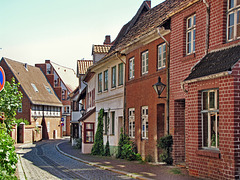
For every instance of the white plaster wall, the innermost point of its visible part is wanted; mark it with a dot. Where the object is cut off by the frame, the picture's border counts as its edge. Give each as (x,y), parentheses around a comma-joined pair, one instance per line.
(113,98)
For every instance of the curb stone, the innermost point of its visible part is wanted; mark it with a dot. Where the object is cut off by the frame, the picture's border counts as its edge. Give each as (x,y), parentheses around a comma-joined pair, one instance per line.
(102,167)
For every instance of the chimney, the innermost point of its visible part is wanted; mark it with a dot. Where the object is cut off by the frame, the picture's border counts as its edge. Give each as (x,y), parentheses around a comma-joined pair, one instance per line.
(107,40)
(148,3)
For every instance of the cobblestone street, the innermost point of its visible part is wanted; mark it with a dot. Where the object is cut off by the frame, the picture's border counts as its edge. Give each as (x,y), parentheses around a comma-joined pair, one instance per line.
(43,161)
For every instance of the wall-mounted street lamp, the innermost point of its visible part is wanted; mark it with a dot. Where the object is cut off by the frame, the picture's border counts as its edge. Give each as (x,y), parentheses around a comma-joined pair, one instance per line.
(82,111)
(159,87)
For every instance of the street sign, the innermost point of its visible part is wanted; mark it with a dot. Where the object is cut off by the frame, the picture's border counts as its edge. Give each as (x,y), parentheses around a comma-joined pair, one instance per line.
(62,119)
(2,78)
(62,124)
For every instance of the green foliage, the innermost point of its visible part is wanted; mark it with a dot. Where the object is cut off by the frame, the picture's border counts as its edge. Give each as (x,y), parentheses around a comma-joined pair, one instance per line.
(79,143)
(10,101)
(107,149)
(149,158)
(98,148)
(18,121)
(176,171)
(126,148)
(8,157)
(165,143)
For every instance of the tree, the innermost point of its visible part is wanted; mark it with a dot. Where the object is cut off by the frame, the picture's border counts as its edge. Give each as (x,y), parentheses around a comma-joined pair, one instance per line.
(98,148)
(10,101)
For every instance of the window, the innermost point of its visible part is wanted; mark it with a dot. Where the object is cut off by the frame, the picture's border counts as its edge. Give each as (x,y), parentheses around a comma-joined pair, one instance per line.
(89,132)
(48,68)
(34,87)
(131,68)
(210,118)
(113,123)
(20,108)
(66,109)
(233,20)
(105,80)
(114,77)
(131,122)
(161,56)
(100,82)
(48,89)
(145,122)
(191,28)
(120,74)
(145,62)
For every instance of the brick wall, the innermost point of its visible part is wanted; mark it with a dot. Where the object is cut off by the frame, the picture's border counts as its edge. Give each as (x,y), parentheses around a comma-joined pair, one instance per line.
(222,164)
(139,92)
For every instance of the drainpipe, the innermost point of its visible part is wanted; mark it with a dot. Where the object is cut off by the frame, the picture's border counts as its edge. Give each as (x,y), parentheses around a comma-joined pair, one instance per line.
(207,25)
(168,75)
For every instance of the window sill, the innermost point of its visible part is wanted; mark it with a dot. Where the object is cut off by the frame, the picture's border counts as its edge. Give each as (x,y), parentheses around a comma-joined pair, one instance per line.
(189,57)
(212,153)
(161,68)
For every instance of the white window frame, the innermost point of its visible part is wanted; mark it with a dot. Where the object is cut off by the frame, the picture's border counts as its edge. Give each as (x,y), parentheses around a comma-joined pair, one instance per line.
(144,62)
(191,29)
(48,89)
(131,68)
(131,122)
(162,55)
(145,125)
(210,111)
(234,10)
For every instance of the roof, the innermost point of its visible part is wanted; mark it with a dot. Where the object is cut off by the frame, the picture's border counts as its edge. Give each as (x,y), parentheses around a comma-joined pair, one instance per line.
(101,49)
(152,19)
(83,65)
(31,77)
(216,62)
(67,75)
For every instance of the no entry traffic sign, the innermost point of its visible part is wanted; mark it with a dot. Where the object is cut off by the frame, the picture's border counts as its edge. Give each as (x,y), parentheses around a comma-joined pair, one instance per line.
(2,78)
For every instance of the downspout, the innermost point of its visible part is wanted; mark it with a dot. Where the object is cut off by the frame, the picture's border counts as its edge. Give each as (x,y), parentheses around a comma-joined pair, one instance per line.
(168,76)
(207,26)
(124,94)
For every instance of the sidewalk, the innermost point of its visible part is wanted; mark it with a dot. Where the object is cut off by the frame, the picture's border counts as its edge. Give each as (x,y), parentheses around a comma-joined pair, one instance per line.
(135,169)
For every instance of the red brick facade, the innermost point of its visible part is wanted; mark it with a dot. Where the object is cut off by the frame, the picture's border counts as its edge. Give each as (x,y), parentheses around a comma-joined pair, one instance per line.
(139,93)
(185,108)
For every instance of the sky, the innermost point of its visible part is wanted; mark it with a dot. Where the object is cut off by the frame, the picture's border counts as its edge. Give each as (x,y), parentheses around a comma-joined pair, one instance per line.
(63,31)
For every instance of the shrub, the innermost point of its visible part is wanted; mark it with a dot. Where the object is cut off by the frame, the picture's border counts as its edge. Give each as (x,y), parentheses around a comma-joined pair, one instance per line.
(8,157)
(165,143)
(18,121)
(107,149)
(126,148)
(79,143)
(98,148)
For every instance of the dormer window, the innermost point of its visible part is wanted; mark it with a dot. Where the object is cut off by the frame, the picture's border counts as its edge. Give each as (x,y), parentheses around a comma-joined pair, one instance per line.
(34,87)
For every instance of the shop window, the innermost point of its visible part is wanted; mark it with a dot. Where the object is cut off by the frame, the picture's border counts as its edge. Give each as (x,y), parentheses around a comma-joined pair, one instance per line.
(210,118)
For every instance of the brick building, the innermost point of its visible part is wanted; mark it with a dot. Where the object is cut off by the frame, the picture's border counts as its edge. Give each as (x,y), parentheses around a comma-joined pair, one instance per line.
(204,87)
(40,105)
(64,81)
